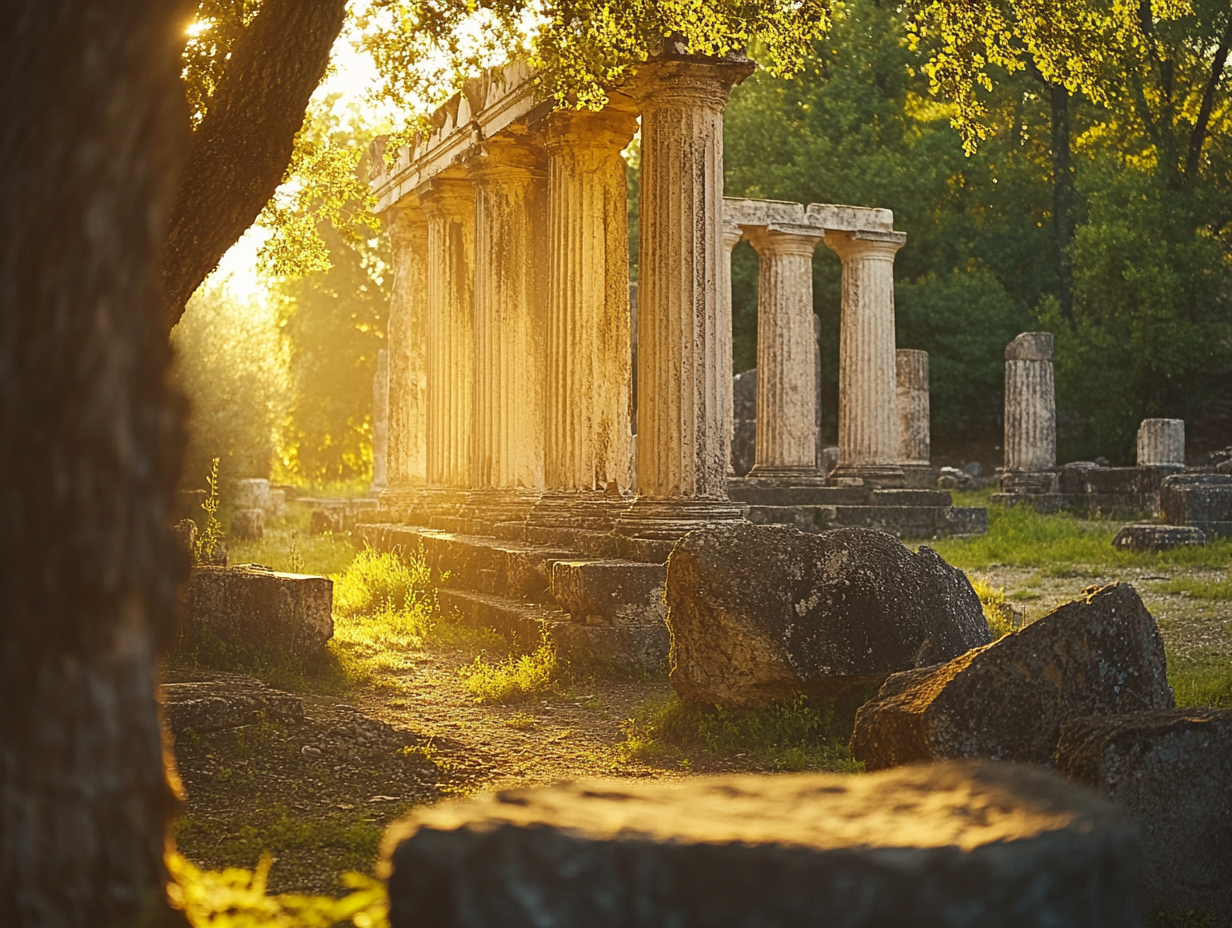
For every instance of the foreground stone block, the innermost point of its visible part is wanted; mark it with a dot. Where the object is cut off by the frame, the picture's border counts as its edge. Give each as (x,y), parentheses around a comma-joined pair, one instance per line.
(251,606)
(226,701)
(759,613)
(1099,655)
(1150,536)
(1171,773)
(965,844)
(248,524)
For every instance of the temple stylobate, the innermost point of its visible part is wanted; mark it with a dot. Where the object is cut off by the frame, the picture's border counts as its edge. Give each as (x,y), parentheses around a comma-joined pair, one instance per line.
(512,354)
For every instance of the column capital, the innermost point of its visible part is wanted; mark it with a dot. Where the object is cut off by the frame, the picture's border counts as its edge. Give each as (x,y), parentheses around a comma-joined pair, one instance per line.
(772,242)
(689,80)
(449,195)
(508,157)
(865,244)
(406,223)
(608,129)
(731,237)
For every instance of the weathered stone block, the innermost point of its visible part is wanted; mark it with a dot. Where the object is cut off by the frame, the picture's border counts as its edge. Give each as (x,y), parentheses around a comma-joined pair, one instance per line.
(1007,701)
(1171,773)
(1161,441)
(226,701)
(1150,536)
(277,504)
(1201,500)
(261,607)
(187,504)
(611,592)
(248,524)
(186,536)
(326,520)
(761,613)
(964,844)
(252,493)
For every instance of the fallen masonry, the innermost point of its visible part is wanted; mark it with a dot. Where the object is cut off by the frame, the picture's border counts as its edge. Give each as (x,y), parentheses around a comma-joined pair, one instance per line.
(1171,773)
(255,607)
(226,701)
(1203,501)
(1101,655)
(1151,536)
(972,843)
(758,614)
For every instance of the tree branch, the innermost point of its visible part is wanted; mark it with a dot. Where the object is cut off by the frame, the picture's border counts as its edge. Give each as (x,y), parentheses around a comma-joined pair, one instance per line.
(1197,138)
(241,150)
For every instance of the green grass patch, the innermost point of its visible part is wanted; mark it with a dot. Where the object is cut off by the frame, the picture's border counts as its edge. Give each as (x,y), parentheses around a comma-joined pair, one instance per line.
(790,736)
(1218,590)
(1204,679)
(513,678)
(288,546)
(997,612)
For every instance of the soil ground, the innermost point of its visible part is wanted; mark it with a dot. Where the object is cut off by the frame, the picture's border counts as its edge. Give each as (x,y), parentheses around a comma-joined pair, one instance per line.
(263,788)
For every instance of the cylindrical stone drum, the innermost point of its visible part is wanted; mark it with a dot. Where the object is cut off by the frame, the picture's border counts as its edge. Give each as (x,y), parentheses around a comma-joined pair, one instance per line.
(913,412)
(1161,441)
(1030,404)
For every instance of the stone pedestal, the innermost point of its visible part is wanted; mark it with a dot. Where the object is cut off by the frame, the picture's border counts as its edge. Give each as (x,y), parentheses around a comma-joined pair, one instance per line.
(786,380)
(1161,441)
(407,338)
(868,414)
(448,202)
(1030,415)
(684,363)
(510,305)
(914,448)
(380,421)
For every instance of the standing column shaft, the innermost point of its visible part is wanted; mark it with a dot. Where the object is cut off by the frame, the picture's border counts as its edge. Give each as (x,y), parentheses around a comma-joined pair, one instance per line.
(868,414)
(1030,404)
(510,307)
(731,238)
(684,362)
(786,374)
(1161,441)
(407,457)
(914,445)
(589,373)
(448,202)
(380,421)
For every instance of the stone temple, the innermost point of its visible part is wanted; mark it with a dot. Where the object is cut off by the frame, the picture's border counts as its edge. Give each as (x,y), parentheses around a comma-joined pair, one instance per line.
(516,455)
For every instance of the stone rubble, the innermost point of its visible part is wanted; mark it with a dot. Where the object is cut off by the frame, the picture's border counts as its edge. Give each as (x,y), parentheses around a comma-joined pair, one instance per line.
(1151,536)
(226,701)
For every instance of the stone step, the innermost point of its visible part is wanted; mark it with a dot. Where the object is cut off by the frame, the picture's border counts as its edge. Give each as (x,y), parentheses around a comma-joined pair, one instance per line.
(900,521)
(911,498)
(611,591)
(523,623)
(745,492)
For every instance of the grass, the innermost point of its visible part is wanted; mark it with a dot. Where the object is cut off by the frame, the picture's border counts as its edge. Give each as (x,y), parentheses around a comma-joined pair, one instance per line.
(999,614)
(1217,590)
(1203,679)
(512,679)
(791,736)
(1063,544)
(288,546)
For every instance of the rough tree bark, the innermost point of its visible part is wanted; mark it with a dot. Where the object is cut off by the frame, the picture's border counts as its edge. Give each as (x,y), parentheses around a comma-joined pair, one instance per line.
(94,126)
(241,149)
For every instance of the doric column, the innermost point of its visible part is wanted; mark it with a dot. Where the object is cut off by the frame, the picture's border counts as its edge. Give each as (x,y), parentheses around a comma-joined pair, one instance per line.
(380,421)
(590,390)
(1030,406)
(684,363)
(510,178)
(914,446)
(786,374)
(448,202)
(732,234)
(867,412)
(1161,441)
(407,338)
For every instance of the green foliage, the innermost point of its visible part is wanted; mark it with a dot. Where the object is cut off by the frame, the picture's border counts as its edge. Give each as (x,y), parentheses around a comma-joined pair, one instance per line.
(378,580)
(231,364)
(997,612)
(237,898)
(514,678)
(789,736)
(210,535)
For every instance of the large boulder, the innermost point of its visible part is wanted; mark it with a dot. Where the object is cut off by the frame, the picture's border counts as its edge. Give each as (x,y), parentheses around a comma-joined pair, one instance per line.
(964,844)
(759,613)
(1101,655)
(1171,773)
(261,608)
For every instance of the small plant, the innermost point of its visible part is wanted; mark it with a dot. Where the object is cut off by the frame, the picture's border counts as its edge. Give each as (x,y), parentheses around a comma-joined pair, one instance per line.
(209,539)
(511,679)
(1002,617)
(521,721)
(295,560)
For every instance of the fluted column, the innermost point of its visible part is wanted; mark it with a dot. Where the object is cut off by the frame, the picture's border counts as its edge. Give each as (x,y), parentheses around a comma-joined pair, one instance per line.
(510,179)
(407,338)
(786,373)
(867,412)
(1161,441)
(1030,405)
(448,202)
(731,238)
(684,363)
(590,390)
(380,421)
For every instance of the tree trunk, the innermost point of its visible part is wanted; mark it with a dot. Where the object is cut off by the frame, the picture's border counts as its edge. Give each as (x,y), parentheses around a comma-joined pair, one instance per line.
(94,127)
(1063,220)
(240,151)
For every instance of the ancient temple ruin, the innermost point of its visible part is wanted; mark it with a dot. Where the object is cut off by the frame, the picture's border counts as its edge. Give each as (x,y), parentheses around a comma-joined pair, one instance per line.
(511,423)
